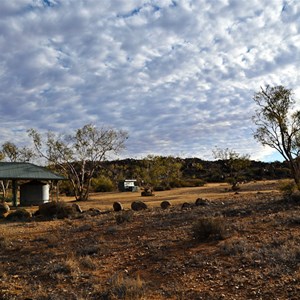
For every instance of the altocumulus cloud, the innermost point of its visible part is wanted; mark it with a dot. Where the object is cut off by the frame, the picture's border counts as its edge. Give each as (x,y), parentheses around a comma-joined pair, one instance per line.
(179,76)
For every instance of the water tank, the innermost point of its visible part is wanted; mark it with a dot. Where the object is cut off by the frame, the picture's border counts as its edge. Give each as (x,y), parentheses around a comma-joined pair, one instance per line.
(34,193)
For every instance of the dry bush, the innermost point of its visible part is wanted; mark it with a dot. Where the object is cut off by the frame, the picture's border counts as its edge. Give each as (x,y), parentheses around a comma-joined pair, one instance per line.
(234,246)
(287,187)
(124,287)
(124,216)
(57,209)
(58,270)
(210,228)
(87,262)
(285,252)
(20,214)
(4,242)
(87,250)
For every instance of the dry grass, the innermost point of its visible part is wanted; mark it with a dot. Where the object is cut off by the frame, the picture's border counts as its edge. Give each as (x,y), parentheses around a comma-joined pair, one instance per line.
(151,255)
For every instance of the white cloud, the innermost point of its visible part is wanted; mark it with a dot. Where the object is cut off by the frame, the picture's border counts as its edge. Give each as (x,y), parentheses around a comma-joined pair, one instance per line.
(178,75)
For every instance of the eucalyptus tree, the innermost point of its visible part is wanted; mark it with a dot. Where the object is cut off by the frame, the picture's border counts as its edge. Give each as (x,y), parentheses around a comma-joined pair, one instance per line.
(158,171)
(79,155)
(12,153)
(278,124)
(234,164)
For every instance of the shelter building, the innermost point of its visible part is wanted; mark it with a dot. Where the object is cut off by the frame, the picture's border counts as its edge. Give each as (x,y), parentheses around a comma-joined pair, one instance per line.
(35,189)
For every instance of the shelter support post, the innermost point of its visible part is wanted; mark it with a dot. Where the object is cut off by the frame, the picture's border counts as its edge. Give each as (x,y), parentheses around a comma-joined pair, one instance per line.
(15,192)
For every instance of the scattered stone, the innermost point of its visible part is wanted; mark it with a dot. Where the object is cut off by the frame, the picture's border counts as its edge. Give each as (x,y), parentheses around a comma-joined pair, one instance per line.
(117,206)
(94,212)
(138,205)
(165,204)
(21,214)
(186,205)
(4,208)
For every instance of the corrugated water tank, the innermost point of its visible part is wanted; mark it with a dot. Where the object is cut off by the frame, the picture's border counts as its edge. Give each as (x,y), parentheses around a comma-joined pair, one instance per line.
(34,193)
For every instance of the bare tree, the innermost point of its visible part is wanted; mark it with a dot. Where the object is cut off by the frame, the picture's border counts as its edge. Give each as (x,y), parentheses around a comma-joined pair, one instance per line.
(278,126)
(79,155)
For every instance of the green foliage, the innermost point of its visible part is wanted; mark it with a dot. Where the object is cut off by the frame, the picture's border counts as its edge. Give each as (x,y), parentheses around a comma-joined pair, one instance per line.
(65,187)
(233,164)
(102,184)
(158,171)
(10,152)
(278,126)
(79,155)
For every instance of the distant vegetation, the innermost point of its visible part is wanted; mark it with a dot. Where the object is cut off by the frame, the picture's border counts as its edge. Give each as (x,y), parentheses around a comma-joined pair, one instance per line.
(172,172)
(82,156)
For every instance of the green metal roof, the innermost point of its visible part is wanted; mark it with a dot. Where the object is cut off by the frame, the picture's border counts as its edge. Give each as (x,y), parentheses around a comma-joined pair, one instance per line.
(28,171)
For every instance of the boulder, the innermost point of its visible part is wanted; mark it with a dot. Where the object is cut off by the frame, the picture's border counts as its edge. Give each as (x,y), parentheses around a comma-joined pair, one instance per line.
(201,202)
(4,208)
(165,204)
(186,205)
(93,212)
(138,205)
(117,206)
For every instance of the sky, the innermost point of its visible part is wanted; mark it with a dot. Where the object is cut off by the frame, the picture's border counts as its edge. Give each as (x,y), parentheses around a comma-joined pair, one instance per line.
(178,75)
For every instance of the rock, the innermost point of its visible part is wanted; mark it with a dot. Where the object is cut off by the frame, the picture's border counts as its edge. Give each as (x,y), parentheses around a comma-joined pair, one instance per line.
(77,207)
(201,202)
(147,192)
(165,204)
(186,205)
(117,206)
(4,208)
(93,212)
(138,205)
(295,197)
(19,214)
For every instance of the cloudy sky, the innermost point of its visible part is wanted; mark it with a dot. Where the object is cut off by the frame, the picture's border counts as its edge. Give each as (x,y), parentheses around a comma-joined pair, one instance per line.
(178,75)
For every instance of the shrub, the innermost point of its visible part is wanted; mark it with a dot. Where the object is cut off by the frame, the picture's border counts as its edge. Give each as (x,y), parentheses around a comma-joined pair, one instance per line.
(234,246)
(287,187)
(87,262)
(209,228)
(102,184)
(57,209)
(127,288)
(19,214)
(66,188)
(187,183)
(124,216)
(4,242)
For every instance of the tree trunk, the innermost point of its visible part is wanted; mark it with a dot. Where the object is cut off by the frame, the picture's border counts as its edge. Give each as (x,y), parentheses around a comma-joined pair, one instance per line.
(295,170)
